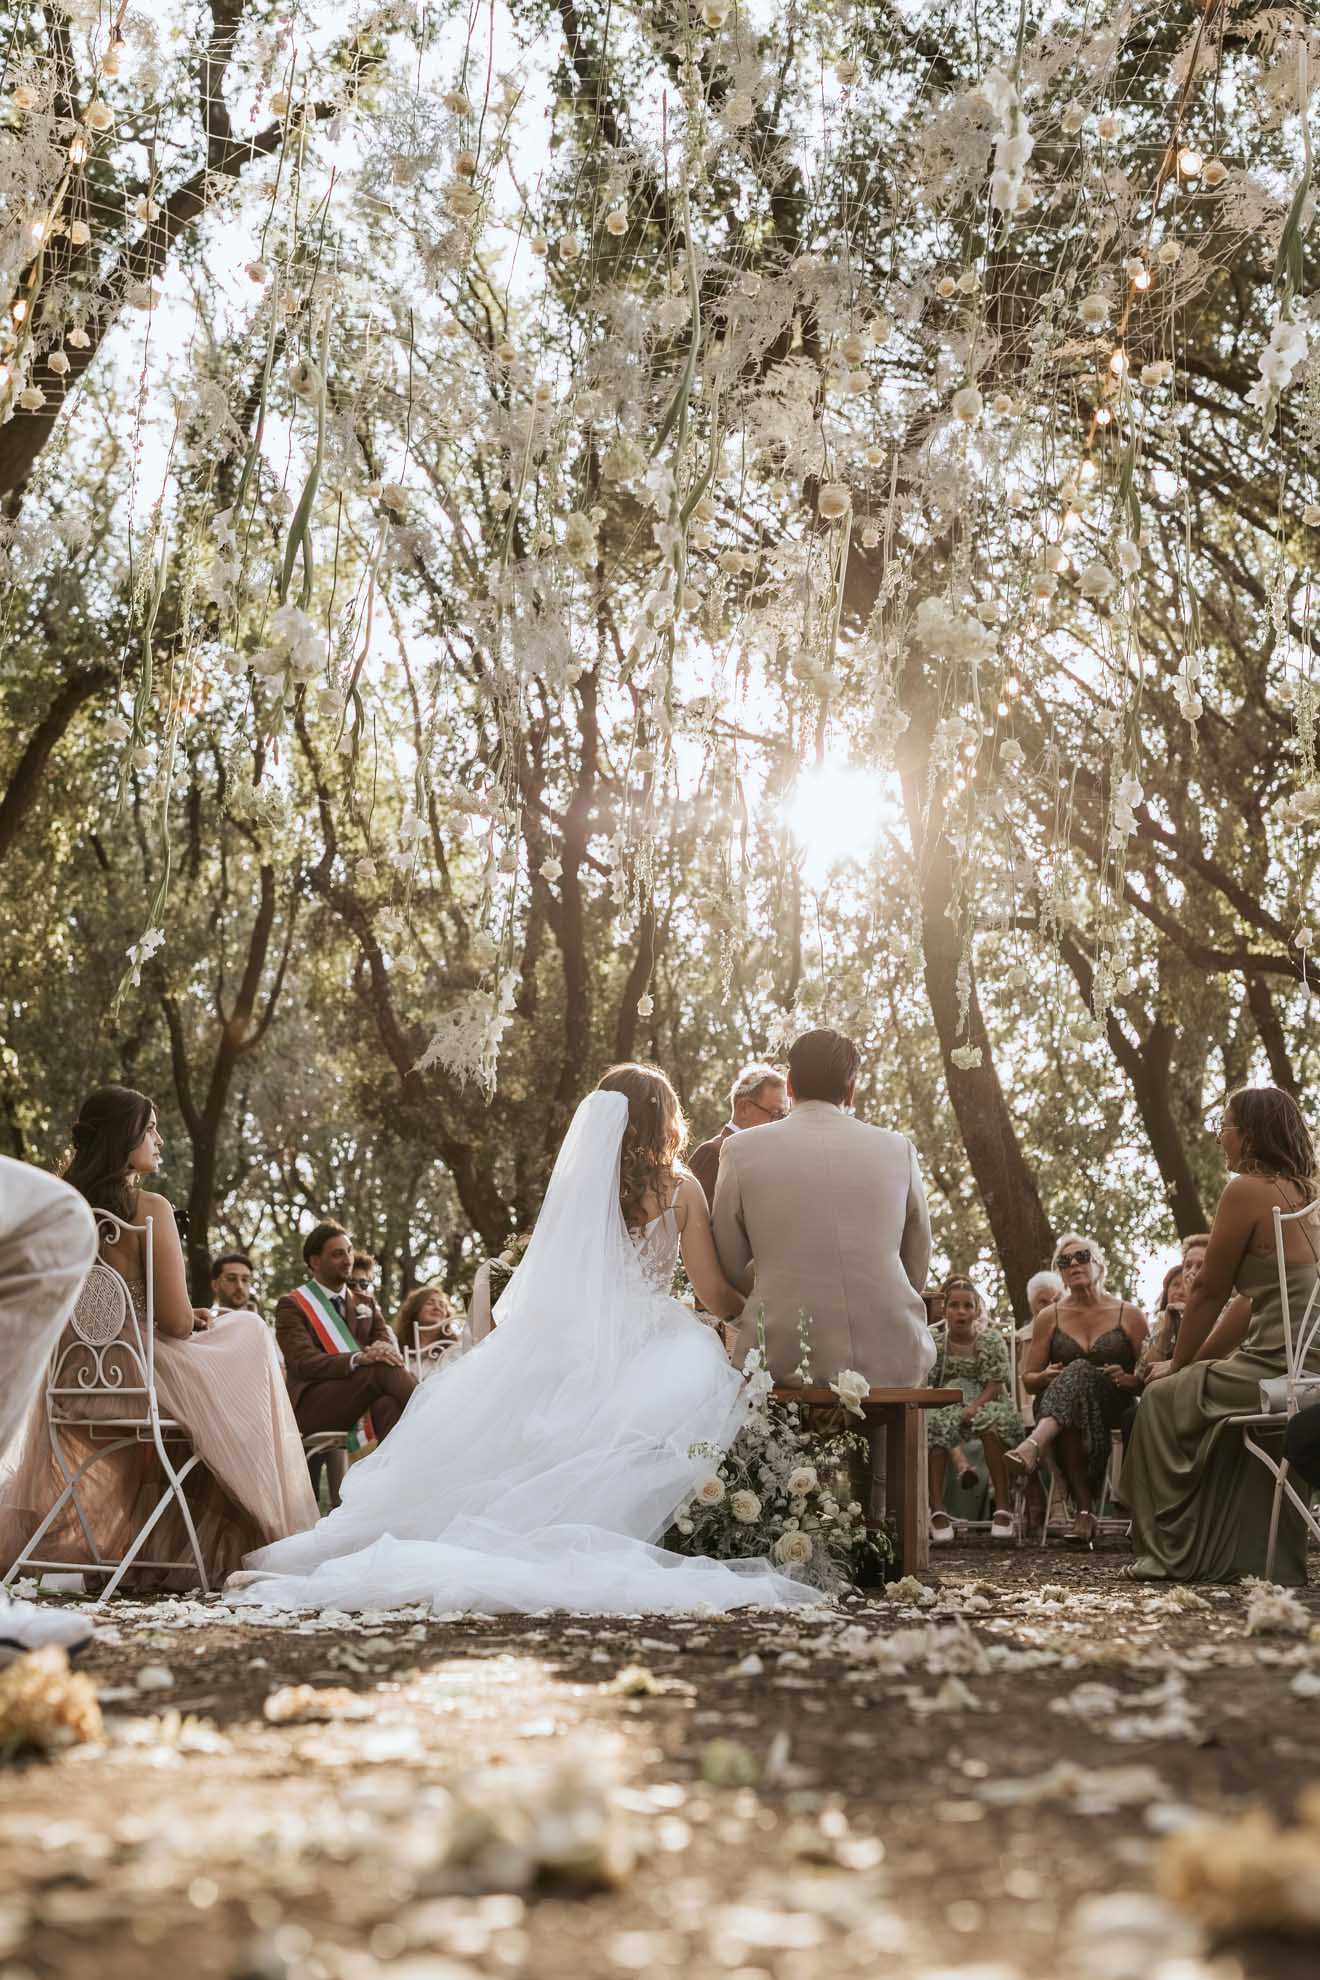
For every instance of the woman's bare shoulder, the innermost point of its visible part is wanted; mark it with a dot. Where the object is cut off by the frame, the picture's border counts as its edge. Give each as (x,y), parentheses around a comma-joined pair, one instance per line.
(158,1207)
(689,1197)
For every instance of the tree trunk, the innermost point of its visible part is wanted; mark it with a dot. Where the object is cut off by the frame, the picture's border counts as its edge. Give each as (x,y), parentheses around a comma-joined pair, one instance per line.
(1019,1226)
(25,779)
(1146,1067)
(1266,1016)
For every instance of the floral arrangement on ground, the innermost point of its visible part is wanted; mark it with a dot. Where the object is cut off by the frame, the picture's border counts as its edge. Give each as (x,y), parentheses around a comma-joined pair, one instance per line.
(783,1491)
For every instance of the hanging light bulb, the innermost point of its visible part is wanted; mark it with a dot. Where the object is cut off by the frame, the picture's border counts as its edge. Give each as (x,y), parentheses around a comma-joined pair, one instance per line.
(1141,280)
(1190,162)
(1103,416)
(1118,363)
(78,150)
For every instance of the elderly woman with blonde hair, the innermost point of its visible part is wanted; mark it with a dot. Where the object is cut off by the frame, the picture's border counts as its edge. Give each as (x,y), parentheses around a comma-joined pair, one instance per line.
(1081,1368)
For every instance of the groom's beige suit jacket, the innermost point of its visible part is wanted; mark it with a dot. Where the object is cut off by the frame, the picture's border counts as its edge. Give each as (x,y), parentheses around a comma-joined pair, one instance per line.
(821,1215)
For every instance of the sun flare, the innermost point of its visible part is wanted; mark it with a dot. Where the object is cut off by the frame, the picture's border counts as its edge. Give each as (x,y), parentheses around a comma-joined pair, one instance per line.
(839,813)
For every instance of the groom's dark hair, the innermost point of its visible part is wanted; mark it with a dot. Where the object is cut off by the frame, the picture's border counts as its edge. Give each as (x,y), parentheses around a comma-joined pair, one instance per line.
(823,1065)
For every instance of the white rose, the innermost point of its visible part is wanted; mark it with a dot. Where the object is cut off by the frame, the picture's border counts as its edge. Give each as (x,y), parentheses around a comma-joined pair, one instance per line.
(745,1507)
(711,1490)
(802,1481)
(852,1390)
(793,1549)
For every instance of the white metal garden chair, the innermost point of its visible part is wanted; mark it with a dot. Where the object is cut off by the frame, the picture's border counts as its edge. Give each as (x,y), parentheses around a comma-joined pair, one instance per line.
(101,1383)
(422,1360)
(1300,1338)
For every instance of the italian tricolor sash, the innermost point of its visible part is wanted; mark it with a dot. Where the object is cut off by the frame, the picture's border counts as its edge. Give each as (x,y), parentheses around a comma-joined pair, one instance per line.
(336,1337)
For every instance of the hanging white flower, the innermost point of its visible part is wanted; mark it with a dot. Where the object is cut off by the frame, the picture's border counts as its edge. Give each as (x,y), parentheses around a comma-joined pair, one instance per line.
(1097,580)
(967,404)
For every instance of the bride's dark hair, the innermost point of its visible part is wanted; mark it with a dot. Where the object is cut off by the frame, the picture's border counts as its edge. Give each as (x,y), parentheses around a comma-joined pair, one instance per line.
(652,1141)
(110,1124)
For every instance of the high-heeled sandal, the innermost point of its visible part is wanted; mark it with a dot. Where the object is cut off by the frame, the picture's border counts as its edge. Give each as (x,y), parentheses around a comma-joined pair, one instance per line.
(1083,1532)
(1018,1458)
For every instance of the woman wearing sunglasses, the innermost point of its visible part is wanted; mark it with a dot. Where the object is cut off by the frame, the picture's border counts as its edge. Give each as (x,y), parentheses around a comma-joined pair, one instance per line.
(1081,1367)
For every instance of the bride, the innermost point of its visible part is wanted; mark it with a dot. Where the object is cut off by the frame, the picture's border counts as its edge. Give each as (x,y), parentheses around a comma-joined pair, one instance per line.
(537,1469)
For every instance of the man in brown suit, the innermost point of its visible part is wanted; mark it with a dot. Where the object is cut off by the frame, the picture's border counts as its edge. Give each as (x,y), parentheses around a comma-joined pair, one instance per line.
(758,1095)
(341,1360)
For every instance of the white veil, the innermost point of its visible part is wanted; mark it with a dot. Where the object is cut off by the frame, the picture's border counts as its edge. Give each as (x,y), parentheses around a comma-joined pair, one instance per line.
(534,1470)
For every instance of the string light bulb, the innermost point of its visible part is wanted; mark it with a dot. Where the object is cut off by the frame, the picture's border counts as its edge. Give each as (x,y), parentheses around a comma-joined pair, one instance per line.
(78,151)
(1190,162)
(21,310)
(1012,686)
(1118,363)
(1103,416)
(1141,280)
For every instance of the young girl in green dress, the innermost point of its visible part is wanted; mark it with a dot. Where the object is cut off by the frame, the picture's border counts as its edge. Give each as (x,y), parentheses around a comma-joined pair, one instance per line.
(972,1356)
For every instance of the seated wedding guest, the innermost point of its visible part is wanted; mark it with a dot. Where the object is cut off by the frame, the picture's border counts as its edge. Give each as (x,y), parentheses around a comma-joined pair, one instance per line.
(1163,1337)
(832,1215)
(971,1355)
(1043,1289)
(344,1367)
(425,1317)
(1301,1444)
(47,1244)
(1200,1502)
(758,1095)
(231,1283)
(1081,1368)
(1237,1311)
(222,1383)
(964,1470)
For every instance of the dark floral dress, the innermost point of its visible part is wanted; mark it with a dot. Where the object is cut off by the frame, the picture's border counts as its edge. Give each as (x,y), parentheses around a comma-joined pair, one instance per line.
(1084,1398)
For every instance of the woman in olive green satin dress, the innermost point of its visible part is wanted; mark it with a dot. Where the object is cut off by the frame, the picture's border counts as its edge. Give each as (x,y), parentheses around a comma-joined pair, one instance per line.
(1200,1502)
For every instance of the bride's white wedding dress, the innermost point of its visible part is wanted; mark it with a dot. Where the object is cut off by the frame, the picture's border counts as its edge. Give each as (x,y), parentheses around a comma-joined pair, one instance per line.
(537,1469)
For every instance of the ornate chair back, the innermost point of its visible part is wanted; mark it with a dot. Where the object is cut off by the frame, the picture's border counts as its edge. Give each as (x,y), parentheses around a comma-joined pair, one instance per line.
(104,1366)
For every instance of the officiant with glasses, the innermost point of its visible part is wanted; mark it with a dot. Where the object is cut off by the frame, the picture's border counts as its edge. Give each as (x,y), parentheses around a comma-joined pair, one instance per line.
(758,1096)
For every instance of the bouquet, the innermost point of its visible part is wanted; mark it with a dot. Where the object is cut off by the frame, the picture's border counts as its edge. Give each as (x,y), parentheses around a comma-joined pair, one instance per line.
(782,1491)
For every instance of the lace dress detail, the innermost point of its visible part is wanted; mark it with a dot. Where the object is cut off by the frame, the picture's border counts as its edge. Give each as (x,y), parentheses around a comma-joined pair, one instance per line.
(656,1246)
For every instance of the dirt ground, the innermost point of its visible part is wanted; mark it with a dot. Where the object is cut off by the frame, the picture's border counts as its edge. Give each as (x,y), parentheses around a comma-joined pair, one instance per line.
(769,1798)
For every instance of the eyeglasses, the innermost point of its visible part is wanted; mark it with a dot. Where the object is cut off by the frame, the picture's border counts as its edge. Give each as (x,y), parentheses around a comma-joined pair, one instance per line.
(771,1113)
(1067,1258)
(364,1283)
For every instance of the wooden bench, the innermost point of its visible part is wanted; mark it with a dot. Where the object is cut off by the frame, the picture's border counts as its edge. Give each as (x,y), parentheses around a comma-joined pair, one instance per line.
(898,1418)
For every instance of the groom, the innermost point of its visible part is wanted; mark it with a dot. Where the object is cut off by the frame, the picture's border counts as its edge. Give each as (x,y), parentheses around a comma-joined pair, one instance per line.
(829,1218)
